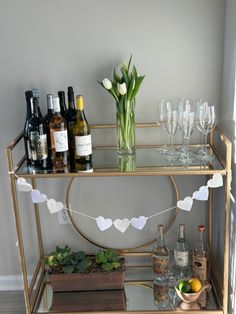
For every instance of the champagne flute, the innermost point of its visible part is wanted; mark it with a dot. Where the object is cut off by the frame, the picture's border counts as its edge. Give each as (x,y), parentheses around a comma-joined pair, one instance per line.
(162,109)
(171,127)
(187,129)
(205,123)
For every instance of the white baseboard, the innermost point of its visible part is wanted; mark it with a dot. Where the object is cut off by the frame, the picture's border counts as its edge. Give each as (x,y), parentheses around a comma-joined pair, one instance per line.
(12,282)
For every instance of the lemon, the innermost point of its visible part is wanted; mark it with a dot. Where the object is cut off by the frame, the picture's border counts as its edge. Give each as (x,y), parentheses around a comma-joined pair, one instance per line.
(195,284)
(184,286)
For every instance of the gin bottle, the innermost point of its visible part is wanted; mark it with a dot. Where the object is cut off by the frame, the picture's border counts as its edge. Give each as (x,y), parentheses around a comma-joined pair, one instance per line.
(160,258)
(181,254)
(200,263)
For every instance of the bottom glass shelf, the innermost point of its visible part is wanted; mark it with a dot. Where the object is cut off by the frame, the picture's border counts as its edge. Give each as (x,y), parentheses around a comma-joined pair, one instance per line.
(137,295)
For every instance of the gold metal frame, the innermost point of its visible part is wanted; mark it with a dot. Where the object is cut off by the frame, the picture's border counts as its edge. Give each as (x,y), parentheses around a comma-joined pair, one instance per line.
(34,290)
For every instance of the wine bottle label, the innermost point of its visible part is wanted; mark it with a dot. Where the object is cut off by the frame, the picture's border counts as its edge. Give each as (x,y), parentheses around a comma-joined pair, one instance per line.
(83,145)
(181,258)
(60,141)
(33,144)
(42,148)
(200,267)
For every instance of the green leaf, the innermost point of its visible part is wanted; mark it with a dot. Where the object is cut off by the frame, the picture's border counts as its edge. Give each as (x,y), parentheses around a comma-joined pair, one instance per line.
(68,269)
(136,89)
(80,255)
(116,265)
(84,264)
(116,78)
(129,62)
(107,266)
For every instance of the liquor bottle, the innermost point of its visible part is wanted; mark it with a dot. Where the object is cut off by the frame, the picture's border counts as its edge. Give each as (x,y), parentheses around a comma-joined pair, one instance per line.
(160,258)
(181,254)
(35,92)
(62,100)
(59,139)
(70,117)
(37,137)
(82,139)
(28,96)
(200,265)
(200,259)
(47,118)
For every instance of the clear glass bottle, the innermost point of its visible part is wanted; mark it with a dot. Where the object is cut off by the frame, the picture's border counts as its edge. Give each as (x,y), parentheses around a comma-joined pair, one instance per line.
(59,139)
(160,258)
(82,139)
(35,92)
(181,254)
(200,259)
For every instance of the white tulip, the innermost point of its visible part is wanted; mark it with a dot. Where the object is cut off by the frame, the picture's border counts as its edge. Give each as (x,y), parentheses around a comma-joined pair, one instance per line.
(107,83)
(122,89)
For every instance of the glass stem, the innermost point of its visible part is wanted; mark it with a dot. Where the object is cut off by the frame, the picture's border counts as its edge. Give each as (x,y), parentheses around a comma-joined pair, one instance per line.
(205,144)
(172,146)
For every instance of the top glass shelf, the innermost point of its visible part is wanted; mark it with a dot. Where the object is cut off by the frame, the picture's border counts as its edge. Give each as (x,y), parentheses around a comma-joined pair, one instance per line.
(146,162)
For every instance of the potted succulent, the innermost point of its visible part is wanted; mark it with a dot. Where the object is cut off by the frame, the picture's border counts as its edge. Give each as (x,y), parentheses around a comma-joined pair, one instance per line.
(76,271)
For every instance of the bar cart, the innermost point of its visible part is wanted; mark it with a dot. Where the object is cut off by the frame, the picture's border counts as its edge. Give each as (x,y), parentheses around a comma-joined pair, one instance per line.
(38,294)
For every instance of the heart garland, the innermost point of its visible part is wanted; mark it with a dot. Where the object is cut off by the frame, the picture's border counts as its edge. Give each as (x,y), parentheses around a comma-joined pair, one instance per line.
(120,224)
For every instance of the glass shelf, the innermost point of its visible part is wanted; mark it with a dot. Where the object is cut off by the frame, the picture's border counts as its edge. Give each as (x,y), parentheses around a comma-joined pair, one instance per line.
(146,161)
(137,295)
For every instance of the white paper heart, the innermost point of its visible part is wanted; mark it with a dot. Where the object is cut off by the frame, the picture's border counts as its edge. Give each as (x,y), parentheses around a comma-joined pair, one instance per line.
(23,186)
(53,206)
(186,204)
(139,222)
(216,181)
(121,225)
(202,194)
(103,224)
(37,197)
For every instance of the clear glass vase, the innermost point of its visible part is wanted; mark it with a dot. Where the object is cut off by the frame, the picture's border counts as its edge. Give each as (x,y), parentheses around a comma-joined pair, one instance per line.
(125,120)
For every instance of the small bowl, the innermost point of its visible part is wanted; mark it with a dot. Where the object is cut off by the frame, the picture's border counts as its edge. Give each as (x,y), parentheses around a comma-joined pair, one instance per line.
(191,296)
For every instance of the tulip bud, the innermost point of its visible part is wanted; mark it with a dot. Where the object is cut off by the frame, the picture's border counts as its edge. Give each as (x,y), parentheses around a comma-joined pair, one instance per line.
(122,89)
(107,83)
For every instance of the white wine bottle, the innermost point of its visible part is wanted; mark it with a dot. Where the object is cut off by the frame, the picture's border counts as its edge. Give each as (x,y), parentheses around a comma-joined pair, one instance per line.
(82,139)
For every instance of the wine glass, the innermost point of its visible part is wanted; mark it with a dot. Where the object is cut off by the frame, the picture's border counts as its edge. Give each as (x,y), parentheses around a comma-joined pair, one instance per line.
(171,127)
(162,109)
(205,123)
(187,122)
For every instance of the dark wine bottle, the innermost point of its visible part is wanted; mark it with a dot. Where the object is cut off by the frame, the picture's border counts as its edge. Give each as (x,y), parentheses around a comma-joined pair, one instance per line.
(62,100)
(82,138)
(28,96)
(46,121)
(37,137)
(70,117)
(35,92)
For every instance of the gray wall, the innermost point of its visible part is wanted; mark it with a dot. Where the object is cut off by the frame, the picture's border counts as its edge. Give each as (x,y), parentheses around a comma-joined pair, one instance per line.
(177,44)
(228,114)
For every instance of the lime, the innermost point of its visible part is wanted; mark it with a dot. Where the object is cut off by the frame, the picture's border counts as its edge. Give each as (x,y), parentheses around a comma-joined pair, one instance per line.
(195,284)
(184,286)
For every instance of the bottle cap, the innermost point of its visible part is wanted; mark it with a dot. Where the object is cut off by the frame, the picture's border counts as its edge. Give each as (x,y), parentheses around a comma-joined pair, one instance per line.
(35,92)
(79,102)
(49,101)
(28,95)
(70,93)
(201,228)
(56,104)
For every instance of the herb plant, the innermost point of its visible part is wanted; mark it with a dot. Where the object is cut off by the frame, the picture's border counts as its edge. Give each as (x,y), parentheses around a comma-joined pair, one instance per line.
(108,259)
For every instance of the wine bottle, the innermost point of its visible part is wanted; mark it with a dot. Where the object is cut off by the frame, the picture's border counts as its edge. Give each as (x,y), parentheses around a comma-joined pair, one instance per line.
(59,139)
(37,137)
(47,118)
(28,96)
(70,117)
(35,92)
(62,101)
(82,139)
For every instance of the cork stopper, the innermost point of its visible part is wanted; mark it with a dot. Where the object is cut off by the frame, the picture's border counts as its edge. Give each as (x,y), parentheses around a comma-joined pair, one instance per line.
(201,228)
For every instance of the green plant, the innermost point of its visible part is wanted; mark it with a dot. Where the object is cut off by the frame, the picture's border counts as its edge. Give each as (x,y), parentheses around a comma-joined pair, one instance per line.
(63,260)
(108,259)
